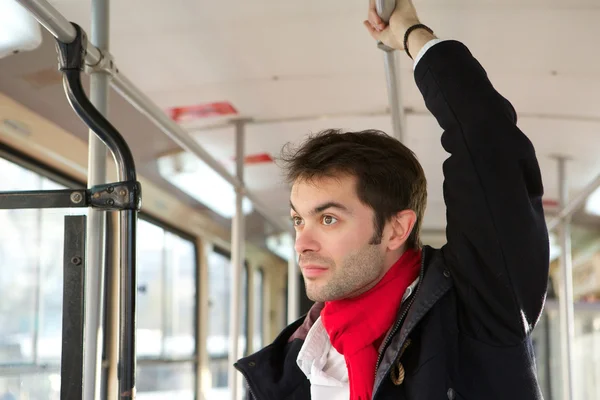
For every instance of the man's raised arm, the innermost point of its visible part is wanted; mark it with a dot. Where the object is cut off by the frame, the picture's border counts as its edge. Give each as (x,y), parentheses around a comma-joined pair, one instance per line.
(497,237)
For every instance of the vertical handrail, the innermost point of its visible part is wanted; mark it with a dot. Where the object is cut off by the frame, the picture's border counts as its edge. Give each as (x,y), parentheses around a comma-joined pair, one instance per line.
(385,8)
(72,58)
(566,310)
(96,245)
(237,261)
(293,282)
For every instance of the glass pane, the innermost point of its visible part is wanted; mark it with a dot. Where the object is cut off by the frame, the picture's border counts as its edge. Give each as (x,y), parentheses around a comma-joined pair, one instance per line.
(19,269)
(19,284)
(150,282)
(31,283)
(218,369)
(49,319)
(181,296)
(15,177)
(51,280)
(586,352)
(257,336)
(38,386)
(219,278)
(165,382)
(219,298)
(31,243)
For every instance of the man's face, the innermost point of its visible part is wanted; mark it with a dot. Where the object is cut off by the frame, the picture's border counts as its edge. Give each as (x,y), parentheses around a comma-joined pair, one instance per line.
(333,234)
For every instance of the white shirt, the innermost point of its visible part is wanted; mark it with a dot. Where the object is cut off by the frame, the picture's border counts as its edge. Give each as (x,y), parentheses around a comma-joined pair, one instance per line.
(324,367)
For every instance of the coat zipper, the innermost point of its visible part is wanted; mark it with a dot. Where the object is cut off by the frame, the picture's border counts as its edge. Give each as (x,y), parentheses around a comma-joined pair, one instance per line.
(248,384)
(399,321)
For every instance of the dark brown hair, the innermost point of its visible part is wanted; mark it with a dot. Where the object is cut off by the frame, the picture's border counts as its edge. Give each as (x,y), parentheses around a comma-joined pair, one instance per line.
(390,178)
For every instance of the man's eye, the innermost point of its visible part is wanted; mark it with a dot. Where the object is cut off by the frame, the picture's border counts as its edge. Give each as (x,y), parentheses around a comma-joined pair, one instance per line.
(329,220)
(296,221)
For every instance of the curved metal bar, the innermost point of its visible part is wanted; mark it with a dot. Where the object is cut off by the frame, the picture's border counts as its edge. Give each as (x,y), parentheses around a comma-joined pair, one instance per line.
(72,59)
(103,129)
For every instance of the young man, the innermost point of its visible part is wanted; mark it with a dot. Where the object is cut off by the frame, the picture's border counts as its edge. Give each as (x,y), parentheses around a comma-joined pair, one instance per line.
(393,320)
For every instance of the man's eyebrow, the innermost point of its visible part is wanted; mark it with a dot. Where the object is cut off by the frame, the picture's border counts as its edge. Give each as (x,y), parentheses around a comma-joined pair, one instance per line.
(330,204)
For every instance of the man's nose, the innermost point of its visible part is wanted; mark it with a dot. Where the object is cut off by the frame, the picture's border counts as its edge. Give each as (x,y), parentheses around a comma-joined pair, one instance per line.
(306,241)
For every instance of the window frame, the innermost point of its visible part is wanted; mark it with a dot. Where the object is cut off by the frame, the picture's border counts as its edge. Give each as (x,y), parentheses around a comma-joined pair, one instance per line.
(27,162)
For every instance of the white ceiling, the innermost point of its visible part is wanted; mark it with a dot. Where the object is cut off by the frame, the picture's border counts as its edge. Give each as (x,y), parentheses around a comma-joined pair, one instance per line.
(287,59)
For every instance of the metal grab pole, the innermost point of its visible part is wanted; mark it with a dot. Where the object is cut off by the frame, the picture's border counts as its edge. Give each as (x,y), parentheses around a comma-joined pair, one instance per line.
(385,8)
(237,260)
(128,201)
(565,298)
(127,300)
(396,108)
(96,227)
(293,289)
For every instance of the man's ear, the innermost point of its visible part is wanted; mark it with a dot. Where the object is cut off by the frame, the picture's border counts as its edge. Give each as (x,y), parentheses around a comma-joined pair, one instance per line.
(401,226)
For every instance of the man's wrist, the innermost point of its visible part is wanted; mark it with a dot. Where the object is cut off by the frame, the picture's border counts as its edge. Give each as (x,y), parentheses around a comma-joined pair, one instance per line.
(403,27)
(417,39)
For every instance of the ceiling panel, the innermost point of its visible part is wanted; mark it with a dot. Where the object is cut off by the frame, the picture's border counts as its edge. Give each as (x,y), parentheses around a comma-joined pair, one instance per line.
(282,60)
(274,57)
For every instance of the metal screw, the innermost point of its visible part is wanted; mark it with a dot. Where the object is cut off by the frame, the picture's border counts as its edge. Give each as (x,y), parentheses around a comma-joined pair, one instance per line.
(76,197)
(123,193)
(96,195)
(110,189)
(76,260)
(110,202)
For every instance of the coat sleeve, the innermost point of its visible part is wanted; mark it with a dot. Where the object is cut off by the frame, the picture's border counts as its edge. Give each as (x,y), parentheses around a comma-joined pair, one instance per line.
(497,241)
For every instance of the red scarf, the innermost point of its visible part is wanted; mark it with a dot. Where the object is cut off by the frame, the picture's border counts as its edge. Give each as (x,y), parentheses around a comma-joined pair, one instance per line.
(356,326)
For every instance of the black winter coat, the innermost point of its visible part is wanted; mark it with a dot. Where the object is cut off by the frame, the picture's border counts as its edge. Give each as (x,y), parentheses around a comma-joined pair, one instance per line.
(465,333)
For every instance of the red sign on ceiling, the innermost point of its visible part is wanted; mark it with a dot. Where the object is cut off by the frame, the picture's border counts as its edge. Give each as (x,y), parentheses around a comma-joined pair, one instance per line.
(550,203)
(259,158)
(188,113)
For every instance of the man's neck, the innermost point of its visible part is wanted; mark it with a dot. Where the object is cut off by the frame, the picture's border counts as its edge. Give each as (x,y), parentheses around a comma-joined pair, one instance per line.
(390,259)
